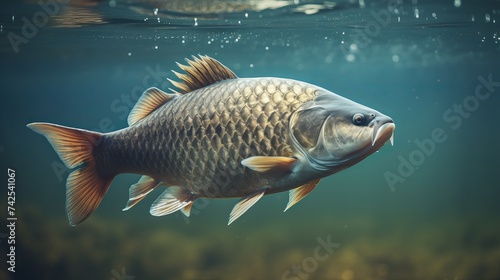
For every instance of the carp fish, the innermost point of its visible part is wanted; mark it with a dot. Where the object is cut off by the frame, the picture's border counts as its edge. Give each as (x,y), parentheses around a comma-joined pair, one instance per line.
(219,136)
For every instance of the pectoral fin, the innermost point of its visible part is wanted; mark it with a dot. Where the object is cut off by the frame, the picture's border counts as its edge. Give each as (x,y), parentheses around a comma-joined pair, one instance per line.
(270,164)
(173,199)
(140,189)
(299,193)
(244,204)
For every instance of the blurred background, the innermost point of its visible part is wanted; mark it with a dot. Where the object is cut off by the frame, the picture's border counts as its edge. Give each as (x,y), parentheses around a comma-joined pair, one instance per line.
(406,212)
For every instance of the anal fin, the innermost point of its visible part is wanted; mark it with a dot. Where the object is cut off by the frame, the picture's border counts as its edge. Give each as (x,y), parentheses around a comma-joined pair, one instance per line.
(173,199)
(244,204)
(299,193)
(140,189)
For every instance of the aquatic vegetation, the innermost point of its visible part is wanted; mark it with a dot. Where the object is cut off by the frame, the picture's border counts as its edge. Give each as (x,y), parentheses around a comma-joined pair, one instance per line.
(367,251)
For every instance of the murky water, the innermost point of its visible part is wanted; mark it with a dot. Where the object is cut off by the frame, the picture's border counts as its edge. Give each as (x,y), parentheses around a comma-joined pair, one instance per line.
(426,208)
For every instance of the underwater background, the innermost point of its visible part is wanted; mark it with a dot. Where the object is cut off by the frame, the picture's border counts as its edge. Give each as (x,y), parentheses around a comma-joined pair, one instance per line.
(426,208)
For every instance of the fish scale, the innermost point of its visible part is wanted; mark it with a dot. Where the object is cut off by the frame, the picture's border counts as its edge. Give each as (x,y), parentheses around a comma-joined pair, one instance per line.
(219,136)
(190,124)
(207,133)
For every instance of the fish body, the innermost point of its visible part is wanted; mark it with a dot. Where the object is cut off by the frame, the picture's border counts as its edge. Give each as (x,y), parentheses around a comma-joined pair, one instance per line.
(219,136)
(207,133)
(216,8)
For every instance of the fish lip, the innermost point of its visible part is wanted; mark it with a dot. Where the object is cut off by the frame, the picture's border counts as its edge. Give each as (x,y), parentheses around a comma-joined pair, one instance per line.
(383,128)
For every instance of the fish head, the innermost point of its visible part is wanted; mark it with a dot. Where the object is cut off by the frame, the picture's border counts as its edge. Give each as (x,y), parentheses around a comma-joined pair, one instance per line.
(333,132)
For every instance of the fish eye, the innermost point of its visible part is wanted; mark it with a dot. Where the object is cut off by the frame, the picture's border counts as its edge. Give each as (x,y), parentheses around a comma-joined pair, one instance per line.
(358,119)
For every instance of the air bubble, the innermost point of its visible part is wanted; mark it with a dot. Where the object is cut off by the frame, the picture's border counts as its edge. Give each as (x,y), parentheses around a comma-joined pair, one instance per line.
(487,17)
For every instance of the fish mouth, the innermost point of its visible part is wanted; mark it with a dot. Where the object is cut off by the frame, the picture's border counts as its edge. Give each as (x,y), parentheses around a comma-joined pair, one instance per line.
(383,130)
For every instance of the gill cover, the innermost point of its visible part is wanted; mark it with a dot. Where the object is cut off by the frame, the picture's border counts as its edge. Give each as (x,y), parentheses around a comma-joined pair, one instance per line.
(323,132)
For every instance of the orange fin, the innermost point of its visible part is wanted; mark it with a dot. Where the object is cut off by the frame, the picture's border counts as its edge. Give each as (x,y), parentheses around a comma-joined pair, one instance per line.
(269,164)
(85,186)
(187,209)
(201,72)
(299,193)
(173,199)
(152,99)
(140,189)
(244,204)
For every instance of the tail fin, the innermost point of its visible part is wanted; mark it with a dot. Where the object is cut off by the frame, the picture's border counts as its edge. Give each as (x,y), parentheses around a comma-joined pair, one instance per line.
(85,186)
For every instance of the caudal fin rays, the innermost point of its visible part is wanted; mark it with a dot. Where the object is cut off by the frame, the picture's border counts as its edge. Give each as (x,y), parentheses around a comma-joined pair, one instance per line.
(85,186)
(84,192)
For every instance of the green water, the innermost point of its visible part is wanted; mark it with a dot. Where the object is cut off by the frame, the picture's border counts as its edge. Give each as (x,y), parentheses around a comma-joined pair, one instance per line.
(411,211)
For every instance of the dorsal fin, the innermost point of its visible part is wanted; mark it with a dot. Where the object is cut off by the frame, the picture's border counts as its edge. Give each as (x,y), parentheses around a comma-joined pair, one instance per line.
(201,72)
(150,100)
